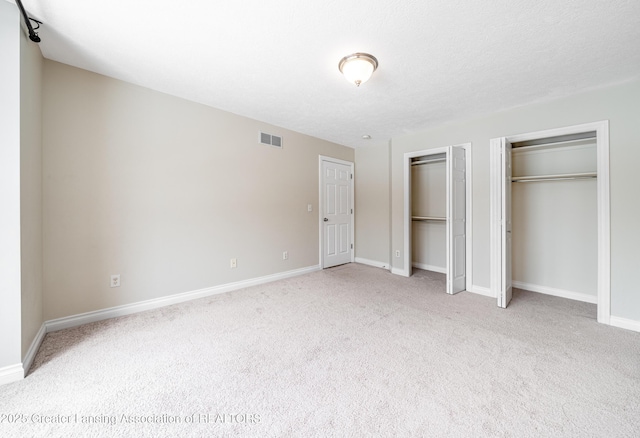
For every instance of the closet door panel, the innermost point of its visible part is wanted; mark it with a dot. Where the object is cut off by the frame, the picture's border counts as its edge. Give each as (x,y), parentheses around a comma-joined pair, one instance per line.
(506,287)
(456,217)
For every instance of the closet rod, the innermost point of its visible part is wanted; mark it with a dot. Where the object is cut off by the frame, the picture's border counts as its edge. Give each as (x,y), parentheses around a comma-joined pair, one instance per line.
(428,218)
(559,177)
(415,163)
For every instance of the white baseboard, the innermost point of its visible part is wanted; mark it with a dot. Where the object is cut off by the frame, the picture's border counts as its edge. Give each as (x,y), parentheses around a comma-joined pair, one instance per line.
(27,361)
(624,323)
(373,263)
(480,290)
(556,292)
(11,373)
(398,271)
(128,309)
(430,268)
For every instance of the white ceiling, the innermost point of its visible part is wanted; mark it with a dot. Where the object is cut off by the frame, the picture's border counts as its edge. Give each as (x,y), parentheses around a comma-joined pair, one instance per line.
(277,60)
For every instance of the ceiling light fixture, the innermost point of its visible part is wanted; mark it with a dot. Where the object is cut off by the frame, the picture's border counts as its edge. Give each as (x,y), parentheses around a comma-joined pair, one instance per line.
(358,67)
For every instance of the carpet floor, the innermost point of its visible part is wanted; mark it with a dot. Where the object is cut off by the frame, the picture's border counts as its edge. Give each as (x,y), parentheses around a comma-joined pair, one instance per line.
(351,351)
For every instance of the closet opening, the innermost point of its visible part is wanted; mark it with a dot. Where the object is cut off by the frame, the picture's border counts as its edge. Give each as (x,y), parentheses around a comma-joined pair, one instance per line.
(550,215)
(437,229)
(429,213)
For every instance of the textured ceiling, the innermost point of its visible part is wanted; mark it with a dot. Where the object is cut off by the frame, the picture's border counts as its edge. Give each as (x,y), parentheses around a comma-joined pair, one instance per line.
(276,60)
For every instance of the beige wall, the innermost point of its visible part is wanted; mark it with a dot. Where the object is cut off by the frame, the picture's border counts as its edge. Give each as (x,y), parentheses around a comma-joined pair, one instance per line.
(372,204)
(619,104)
(30,188)
(165,192)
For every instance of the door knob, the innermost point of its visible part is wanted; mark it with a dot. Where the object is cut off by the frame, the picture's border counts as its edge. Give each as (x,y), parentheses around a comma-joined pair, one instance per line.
(326,220)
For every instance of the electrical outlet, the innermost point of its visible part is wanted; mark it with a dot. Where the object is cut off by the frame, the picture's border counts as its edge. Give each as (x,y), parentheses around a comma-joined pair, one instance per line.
(397,253)
(285,255)
(309,207)
(234,263)
(115,280)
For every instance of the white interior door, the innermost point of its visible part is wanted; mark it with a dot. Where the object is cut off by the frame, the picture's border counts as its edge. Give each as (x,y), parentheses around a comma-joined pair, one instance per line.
(337,211)
(456,269)
(506,288)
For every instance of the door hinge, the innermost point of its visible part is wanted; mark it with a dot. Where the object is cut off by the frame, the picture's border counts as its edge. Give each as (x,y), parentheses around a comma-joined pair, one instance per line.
(352,246)
(352,211)
(352,176)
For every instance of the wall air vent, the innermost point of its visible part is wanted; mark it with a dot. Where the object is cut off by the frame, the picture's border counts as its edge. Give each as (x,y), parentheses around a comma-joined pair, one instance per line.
(271,140)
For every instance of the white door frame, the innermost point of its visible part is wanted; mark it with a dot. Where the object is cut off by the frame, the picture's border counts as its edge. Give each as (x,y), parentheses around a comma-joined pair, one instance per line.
(408,262)
(321,159)
(604,207)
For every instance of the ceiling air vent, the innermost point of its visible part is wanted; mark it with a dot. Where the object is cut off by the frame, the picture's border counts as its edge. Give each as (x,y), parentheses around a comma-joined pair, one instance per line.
(271,140)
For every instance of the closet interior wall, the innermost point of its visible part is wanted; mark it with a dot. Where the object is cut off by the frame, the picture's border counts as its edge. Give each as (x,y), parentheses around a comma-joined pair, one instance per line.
(554,218)
(428,209)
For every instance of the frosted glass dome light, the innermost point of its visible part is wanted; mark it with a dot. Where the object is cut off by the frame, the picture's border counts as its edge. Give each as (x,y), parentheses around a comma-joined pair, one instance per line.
(358,67)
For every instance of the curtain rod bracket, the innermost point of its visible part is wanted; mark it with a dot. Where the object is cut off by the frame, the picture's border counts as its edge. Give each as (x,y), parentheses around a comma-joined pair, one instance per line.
(33,35)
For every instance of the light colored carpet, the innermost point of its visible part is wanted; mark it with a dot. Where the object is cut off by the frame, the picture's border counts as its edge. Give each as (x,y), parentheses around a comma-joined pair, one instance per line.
(349,351)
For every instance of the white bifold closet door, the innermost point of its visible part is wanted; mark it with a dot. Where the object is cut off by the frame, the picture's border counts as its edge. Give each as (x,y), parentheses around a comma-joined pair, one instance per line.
(501,226)
(456,220)
(506,282)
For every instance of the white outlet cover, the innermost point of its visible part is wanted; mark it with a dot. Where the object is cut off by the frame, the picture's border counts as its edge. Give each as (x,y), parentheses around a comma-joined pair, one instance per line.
(115,280)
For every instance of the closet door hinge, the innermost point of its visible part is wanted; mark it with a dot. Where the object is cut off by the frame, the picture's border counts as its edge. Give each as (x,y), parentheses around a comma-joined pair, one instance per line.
(351,175)
(352,211)
(352,246)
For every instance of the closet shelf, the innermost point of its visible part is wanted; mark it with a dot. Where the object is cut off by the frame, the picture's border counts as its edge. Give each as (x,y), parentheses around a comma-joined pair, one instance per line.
(554,144)
(558,177)
(428,218)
